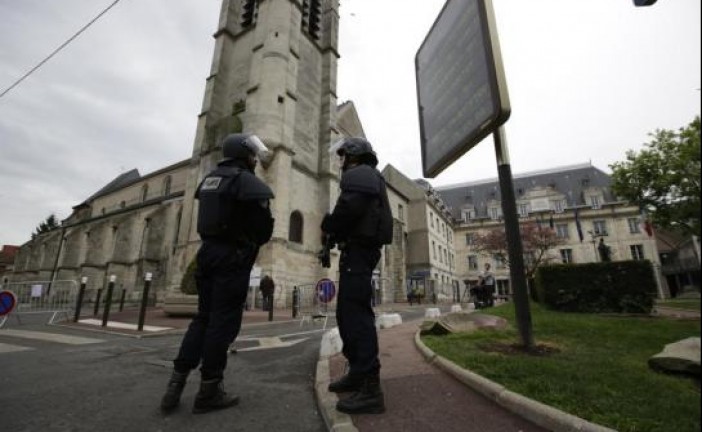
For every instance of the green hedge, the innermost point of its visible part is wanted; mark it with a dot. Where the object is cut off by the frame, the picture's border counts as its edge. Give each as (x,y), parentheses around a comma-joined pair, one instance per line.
(187,284)
(619,287)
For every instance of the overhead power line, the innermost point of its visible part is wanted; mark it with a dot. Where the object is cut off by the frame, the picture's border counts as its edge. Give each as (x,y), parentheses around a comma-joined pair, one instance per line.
(56,51)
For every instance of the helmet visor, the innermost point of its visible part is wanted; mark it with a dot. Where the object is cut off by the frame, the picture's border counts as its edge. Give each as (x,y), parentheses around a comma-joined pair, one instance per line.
(256,146)
(337,146)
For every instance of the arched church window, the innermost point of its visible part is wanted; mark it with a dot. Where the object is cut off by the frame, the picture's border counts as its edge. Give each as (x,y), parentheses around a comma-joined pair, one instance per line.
(312,17)
(144,192)
(167,186)
(296,227)
(249,13)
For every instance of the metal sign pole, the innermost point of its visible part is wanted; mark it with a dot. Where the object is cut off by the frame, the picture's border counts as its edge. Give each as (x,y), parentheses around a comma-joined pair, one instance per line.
(514,240)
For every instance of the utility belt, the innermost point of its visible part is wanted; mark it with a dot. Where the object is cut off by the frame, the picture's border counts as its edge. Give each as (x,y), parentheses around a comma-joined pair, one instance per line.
(234,242)
(357,244)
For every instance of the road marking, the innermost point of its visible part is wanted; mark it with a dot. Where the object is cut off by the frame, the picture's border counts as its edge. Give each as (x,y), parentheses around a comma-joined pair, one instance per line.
(7,348)
(270,343)
(49,337)
(124,326)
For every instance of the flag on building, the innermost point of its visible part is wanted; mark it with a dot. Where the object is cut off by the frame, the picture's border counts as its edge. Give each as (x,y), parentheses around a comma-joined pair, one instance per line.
(579,226)
(645,222)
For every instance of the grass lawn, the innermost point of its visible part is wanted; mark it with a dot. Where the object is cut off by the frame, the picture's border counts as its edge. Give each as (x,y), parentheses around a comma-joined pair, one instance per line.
(688,304)
(599,371)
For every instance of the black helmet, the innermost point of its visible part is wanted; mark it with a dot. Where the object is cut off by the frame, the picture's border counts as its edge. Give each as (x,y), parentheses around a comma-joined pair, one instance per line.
(359,148)
(241,146)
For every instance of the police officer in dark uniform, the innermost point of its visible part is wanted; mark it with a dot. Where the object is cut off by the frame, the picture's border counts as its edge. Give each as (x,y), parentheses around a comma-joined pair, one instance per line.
(234,221)
(360,224)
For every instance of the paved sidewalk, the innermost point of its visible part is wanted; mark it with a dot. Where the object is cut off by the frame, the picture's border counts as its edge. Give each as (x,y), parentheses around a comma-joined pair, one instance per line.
(420,397)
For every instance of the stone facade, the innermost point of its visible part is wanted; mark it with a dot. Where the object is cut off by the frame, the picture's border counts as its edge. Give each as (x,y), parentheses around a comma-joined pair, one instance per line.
(551,198)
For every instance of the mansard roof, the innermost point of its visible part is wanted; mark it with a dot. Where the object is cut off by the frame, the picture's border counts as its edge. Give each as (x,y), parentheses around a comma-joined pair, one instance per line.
(570,181)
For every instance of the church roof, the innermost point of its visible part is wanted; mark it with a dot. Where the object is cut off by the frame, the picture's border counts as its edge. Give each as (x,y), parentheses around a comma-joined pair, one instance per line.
(118,183)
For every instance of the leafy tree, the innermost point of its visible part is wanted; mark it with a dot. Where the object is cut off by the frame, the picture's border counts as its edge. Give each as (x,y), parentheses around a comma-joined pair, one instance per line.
(49,224)
(187,284)
(536,242)
(664,178)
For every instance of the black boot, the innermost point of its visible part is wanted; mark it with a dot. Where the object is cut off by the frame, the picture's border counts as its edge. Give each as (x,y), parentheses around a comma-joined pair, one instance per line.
(368,400)
(347,383)
(175,388)
(212,397)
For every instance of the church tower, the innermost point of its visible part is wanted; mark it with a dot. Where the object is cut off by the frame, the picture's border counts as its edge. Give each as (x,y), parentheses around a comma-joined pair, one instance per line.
(274,73)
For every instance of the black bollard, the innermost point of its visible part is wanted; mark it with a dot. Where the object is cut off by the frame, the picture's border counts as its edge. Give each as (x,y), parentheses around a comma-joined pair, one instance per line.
(144,300)
(295,302)
(108,300)
(97,302)
(81,294)
(270,306)
(121,300)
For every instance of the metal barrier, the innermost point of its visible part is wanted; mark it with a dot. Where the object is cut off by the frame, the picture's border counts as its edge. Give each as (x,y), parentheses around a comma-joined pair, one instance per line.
(43,297)
(315,304)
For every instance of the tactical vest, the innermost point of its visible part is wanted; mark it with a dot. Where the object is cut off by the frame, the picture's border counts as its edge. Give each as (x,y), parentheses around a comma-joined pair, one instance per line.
(376,225)
(228,198)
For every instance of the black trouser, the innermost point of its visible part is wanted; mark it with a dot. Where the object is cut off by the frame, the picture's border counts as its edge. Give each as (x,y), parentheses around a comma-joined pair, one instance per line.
(222,279)
(354,314)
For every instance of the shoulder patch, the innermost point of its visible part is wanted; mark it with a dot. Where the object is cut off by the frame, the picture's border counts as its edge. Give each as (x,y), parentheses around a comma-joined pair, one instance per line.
(211,183)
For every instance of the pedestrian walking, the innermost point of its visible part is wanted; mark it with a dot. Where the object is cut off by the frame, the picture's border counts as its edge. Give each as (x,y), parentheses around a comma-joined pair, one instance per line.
(234,221)
(487,286)
(267,288)
(360,225)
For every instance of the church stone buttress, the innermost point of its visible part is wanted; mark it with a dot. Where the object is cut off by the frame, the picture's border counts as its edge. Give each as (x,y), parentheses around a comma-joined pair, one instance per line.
(274,74)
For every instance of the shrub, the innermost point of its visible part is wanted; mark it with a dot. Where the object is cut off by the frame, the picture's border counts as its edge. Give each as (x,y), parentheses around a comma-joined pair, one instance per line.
(619,287)
(187,284)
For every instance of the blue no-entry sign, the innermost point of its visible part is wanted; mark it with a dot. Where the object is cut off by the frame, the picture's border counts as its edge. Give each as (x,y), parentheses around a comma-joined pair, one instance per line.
(326,290)
(7,302)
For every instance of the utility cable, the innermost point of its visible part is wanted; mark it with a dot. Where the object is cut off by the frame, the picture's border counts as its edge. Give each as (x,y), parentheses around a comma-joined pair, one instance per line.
(56,51)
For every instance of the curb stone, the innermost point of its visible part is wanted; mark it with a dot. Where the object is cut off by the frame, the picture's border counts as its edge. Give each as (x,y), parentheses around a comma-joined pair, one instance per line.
(534,411)
(336,421)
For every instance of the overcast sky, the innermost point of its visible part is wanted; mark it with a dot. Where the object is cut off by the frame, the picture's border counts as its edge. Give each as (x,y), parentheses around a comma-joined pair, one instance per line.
(588,80)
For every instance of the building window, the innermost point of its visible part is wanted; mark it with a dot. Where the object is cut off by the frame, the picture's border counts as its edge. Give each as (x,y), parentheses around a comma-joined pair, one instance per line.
(122,204)
(468,215)
(558,206)
(600,227)
(503,287)
(566,256)
(562,231)
(296,227)
(494,213)
(637,252)
(523,210)
(499,262)
(431,217)
(167,186)
(433,250)
(634,227)
(595,201)
(401,212)
(470,239)
(472,262)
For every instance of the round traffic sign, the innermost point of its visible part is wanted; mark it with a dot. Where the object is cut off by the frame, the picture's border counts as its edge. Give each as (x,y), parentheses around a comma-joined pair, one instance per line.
(326,290)
(7,302)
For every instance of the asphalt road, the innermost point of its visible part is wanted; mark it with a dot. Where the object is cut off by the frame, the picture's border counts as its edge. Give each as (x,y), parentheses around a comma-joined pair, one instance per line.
(61,379)
(101,382)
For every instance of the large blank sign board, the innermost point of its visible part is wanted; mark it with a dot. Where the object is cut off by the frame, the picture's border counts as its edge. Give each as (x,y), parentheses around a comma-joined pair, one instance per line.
(461,88)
